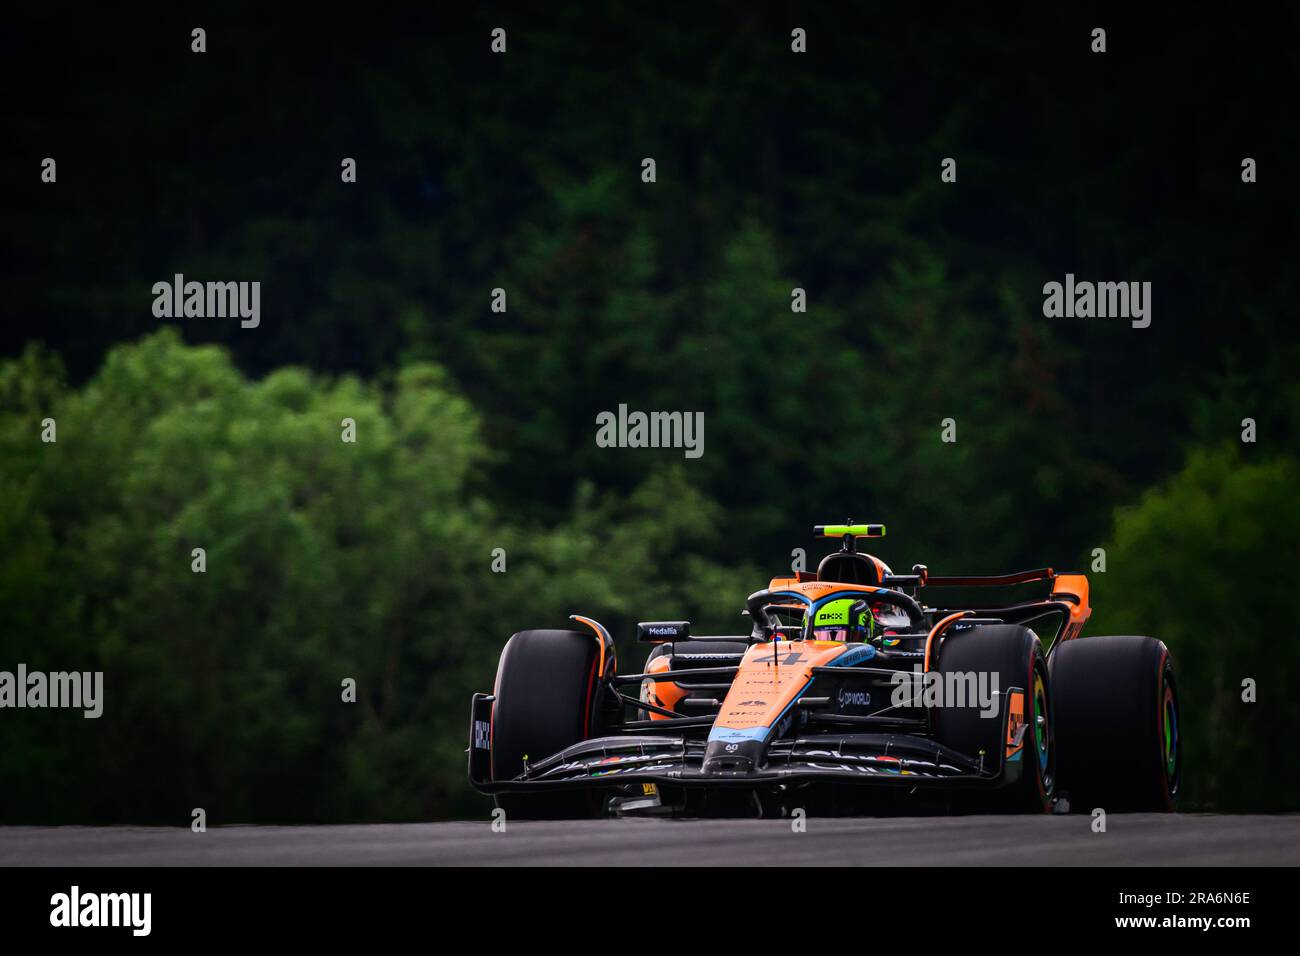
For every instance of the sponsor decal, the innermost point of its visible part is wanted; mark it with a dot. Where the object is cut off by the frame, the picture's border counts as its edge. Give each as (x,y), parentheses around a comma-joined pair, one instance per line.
(853,698)
(1015,724)
(737,733)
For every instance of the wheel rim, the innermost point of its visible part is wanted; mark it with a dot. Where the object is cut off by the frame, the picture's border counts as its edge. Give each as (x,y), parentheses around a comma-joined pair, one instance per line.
(1171,734)
(1042,731)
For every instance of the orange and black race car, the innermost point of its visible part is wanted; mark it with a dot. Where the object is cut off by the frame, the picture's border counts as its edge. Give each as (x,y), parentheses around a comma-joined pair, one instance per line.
(850,693)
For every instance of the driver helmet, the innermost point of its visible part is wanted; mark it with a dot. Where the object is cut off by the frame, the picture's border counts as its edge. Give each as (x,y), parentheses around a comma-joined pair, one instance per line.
(839,621)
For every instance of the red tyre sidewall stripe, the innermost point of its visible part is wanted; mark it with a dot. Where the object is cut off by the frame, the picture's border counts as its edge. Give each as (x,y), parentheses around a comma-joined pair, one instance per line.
(586,713)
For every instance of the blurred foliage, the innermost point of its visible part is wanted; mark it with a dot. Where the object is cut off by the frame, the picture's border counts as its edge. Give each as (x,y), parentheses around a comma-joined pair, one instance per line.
(1205,563)
(324,560)
(476,428)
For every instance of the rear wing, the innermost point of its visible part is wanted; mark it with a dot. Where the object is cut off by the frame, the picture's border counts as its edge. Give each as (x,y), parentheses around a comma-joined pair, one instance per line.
(992,580)
(1068,598)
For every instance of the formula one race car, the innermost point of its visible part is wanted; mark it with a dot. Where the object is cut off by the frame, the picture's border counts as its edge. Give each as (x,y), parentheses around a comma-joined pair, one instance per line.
(849,693)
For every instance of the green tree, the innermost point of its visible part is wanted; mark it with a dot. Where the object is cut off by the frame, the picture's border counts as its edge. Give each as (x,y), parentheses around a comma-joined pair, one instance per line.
(1205,563)
(325,560)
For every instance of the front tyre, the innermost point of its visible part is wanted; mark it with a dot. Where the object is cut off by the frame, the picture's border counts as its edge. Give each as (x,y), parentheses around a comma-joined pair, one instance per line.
(1013,655)
(545,701)
(1118,724)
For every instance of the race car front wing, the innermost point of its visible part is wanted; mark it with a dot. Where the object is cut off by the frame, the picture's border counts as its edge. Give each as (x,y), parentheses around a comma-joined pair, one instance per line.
(674,758)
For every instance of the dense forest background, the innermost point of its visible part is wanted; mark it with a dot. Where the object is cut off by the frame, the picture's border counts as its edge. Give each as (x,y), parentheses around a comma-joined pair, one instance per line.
(475,429)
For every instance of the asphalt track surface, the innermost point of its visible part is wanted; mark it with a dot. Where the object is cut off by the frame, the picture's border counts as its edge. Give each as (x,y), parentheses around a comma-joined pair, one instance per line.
(1129,840)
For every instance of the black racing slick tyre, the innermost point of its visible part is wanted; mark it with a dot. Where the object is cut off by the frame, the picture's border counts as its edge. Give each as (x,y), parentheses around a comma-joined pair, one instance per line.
(545,701)
(1117,724)
(1014,655)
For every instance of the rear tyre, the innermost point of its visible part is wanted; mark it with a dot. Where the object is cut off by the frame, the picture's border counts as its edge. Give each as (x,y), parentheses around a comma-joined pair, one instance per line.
(1118,724)
(545,701)
(1014,655)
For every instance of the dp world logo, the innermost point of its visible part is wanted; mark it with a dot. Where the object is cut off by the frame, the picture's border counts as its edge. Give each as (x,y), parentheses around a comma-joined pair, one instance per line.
(853,698)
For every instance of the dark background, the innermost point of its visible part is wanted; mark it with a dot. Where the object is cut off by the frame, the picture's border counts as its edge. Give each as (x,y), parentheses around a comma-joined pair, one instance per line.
(476,429)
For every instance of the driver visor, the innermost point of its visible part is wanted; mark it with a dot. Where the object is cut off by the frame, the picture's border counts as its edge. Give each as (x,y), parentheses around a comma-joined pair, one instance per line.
(831,633)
